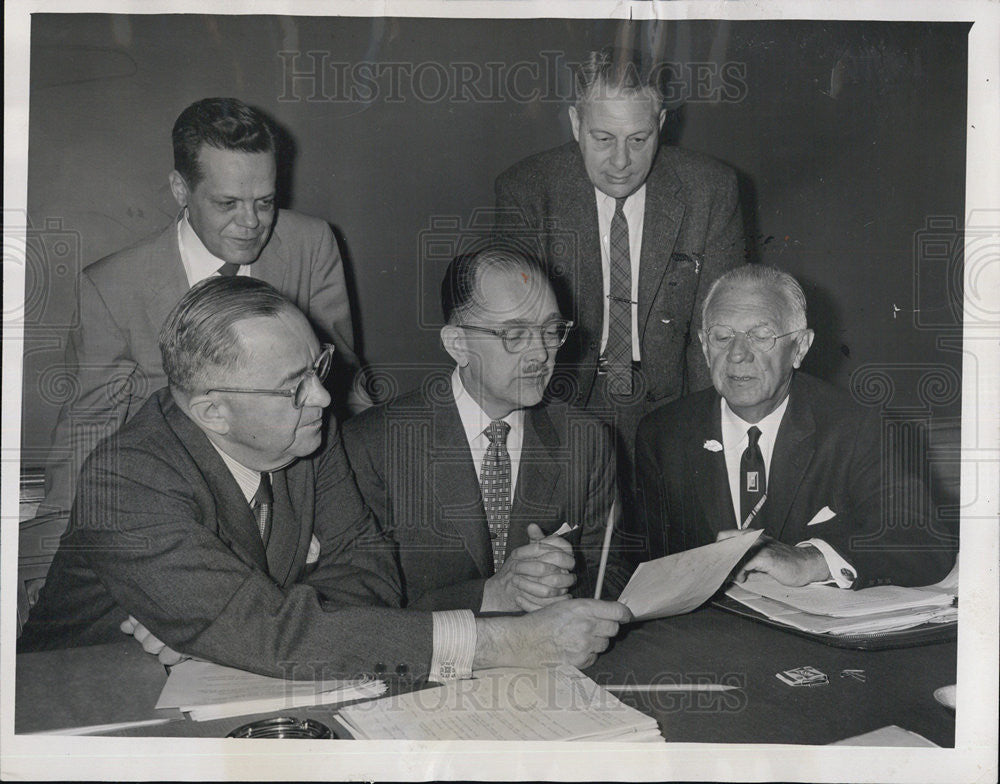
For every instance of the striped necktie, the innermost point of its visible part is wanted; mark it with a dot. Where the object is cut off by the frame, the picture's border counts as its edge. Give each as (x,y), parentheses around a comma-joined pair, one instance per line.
(618,351)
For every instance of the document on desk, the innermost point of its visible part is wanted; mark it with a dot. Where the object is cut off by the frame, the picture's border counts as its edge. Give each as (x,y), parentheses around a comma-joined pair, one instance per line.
(678,583)
(558,704)
(825,609)
(209,691)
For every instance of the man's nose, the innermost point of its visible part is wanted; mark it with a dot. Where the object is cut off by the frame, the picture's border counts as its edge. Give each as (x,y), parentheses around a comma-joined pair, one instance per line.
(316,395)
(739,349)
(620,159)
(536,349)
(246,216)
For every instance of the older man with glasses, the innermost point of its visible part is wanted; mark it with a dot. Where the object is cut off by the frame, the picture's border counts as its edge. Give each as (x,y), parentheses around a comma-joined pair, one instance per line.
(472,475)
(773,448)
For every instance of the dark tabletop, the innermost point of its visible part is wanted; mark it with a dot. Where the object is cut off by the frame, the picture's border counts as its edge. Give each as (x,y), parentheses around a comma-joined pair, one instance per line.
(119,682)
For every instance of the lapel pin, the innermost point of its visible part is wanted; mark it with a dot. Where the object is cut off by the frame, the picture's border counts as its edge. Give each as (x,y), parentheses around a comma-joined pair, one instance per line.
(665,321)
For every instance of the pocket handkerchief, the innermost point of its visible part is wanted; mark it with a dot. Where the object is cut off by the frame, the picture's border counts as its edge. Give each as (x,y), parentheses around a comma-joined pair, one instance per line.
(822,516)
(313,555)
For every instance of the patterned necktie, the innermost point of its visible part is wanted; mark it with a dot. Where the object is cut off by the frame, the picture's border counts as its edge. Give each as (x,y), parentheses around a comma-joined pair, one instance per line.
(495,482)
(753,482)
(262,505)
(618,351)
(228,269)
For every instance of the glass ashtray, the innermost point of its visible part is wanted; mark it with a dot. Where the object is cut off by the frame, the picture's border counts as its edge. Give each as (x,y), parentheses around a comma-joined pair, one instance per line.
(283,727)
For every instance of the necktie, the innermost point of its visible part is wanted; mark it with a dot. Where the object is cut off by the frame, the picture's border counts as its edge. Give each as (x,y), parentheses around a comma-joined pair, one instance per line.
(753,482)
(228,269)
(495,482)
(618,351)
(262,505)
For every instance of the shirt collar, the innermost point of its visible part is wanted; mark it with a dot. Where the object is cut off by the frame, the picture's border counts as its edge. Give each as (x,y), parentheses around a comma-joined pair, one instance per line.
(246,478)
(474,419)
(199,262)
(635,204)
(734,428)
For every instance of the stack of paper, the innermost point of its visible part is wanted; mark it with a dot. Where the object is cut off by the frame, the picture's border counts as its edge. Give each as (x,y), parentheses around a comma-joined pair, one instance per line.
(210,691)
(560,704)
(826,609)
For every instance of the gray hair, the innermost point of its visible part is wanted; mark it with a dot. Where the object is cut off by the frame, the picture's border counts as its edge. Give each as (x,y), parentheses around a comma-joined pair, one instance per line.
(769,278)
(611,69)
(198,342)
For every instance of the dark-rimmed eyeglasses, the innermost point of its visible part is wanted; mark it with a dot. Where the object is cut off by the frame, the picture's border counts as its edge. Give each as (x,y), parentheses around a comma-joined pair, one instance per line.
(517,338)
(320,369)
(721,336)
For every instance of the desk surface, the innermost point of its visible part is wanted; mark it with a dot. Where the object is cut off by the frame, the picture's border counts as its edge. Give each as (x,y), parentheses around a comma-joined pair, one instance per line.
(119,682)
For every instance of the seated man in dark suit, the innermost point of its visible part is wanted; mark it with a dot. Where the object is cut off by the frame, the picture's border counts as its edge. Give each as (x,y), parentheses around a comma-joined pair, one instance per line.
(469,473)
(212,519)
(774,448)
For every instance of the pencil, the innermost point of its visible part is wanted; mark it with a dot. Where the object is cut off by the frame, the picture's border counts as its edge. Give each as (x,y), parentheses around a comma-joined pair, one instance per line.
(609,528)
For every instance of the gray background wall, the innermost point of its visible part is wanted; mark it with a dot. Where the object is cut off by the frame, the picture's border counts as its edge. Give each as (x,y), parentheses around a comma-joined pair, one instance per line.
(849,139)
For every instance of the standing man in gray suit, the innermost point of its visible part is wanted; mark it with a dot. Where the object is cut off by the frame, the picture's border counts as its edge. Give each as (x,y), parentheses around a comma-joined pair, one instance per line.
(633,235)
(224,183)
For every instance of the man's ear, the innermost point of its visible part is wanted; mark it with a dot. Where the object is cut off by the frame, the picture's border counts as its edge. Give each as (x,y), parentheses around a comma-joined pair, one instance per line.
(703,339)
(454,343)
(574,122)
(179,187)
(802,345)
(209,414)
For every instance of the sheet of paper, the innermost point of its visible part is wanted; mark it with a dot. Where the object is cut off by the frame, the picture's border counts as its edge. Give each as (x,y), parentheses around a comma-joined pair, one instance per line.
(209,691)
(503,704)
(831,600)
(892,735)
(678,583)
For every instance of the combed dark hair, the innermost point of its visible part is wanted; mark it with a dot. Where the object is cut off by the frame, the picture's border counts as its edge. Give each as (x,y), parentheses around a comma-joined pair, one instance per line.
(198,342)
(766,277)
(613,69)
(460,287)
(223,123)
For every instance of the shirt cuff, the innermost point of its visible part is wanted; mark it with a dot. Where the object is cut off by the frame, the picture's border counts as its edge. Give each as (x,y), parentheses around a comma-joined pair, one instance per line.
(453,645)
(841,572)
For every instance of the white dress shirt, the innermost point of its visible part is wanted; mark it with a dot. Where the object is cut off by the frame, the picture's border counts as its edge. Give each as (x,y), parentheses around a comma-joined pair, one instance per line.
(634,209)
(734,442)
(199,262)
(453,636)
(475,421)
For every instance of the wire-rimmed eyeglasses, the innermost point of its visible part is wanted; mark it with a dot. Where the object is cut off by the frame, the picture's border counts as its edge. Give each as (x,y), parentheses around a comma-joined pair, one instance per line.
(320,369)
(721,336)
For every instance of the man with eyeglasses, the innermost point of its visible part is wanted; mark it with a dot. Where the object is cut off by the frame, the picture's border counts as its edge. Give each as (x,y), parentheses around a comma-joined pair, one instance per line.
(472,475)
(215,524)
(773,448)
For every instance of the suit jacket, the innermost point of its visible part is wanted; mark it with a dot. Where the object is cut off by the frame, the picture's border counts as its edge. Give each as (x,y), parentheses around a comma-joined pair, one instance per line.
(414,469)
(828,453)
(692,233)
(113,358)
(161,530)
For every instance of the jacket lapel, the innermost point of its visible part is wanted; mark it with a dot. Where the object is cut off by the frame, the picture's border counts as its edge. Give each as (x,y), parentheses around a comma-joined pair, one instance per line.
(288,536)
(237,526)
(458,499)
(708,470)
(661,223)
(165,279)
(793,451)
(578,209)
(539,470)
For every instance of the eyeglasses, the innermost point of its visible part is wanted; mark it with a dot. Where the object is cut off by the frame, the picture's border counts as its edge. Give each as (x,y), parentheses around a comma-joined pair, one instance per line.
(721,336)
(320,369)
(517,339)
